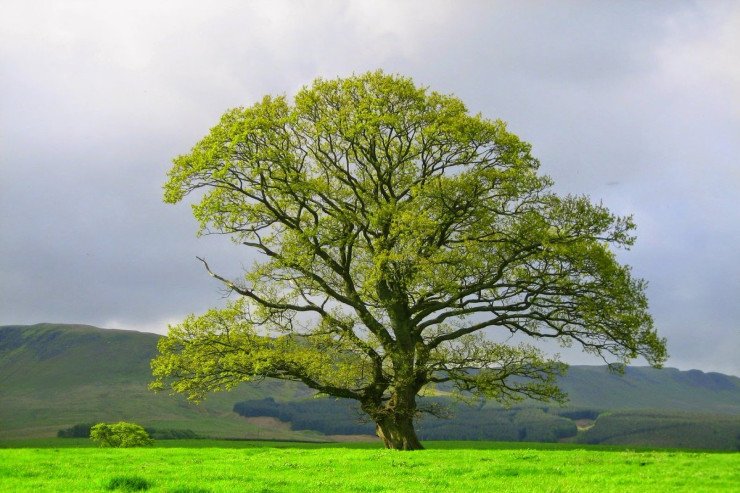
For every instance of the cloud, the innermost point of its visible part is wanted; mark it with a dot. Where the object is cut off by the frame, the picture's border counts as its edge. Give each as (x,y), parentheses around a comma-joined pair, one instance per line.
(635,104)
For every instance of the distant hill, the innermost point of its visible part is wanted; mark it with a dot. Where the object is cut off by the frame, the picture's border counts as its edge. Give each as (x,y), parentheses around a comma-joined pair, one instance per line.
(647,388)
(54,376)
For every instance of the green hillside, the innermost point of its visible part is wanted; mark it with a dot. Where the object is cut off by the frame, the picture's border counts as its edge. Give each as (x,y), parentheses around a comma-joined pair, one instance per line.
(647,388)
(55,376)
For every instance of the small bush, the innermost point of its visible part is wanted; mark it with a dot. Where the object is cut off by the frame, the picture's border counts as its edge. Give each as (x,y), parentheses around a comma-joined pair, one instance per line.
(121,434)
(127,483)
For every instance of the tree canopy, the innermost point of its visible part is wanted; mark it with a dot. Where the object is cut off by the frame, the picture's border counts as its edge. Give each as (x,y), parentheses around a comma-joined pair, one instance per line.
(399,240)
(121,434)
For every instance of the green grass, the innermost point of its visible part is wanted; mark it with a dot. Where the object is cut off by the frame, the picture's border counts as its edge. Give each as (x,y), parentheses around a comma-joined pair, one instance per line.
(444,466)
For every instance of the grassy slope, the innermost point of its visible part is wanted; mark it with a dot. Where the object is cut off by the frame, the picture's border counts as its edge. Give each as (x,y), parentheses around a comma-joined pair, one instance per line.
(648,388)
(54,376)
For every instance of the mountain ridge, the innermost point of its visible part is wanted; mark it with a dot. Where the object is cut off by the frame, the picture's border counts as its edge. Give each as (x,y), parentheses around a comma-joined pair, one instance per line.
(53,376)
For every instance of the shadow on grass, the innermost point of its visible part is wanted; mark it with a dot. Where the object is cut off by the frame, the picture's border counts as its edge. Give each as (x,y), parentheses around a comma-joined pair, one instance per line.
(127,483)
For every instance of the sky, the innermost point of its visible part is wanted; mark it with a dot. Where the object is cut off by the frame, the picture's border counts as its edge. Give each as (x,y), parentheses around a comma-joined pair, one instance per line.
(636,104)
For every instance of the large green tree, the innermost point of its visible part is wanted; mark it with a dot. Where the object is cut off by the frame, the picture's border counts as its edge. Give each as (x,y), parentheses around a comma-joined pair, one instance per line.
(398,237)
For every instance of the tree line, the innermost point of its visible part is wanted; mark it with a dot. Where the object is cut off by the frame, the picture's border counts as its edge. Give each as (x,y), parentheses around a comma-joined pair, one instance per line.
(82,430)
(531,424)
(450,422)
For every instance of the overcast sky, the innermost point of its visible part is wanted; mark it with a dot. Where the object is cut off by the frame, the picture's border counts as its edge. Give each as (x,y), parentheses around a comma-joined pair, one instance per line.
(636,104)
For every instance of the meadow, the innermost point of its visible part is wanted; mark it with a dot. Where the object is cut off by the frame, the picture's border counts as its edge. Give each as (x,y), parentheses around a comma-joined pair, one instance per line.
(225,466)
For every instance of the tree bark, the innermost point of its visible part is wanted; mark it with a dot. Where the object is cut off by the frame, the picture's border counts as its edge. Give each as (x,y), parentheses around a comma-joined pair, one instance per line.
(397,432)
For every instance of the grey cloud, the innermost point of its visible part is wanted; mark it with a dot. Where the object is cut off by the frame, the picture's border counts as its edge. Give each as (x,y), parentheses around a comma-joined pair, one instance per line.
(98,98)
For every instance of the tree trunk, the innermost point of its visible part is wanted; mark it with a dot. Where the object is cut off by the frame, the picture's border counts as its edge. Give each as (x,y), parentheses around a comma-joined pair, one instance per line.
(397,432)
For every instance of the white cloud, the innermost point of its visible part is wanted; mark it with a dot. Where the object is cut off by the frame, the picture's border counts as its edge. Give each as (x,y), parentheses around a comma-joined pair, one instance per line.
(158,326)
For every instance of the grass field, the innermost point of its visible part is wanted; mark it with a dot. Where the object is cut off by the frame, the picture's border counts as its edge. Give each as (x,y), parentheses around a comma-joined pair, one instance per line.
(218,466)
